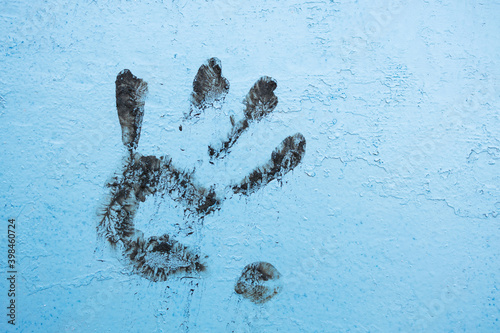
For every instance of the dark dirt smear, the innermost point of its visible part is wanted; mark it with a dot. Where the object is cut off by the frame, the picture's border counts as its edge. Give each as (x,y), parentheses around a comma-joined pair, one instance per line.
(130,98)
(283,159)
(259,102)
(259,282)
(233,136)
(209,86)
(154,258)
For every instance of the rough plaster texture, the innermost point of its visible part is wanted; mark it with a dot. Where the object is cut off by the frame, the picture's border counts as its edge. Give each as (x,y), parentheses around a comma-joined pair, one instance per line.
(390,223)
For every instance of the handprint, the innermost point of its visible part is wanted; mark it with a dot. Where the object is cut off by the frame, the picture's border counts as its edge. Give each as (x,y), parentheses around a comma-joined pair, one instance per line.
(158,257)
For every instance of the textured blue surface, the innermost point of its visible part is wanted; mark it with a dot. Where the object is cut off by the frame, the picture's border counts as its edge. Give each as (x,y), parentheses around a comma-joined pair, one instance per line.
(389,224)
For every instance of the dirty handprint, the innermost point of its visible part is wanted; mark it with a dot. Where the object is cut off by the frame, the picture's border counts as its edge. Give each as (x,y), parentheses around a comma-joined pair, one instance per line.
(158,257)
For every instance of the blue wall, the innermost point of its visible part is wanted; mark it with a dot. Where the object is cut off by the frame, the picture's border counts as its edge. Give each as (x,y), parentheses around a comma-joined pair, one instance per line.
(390,223)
